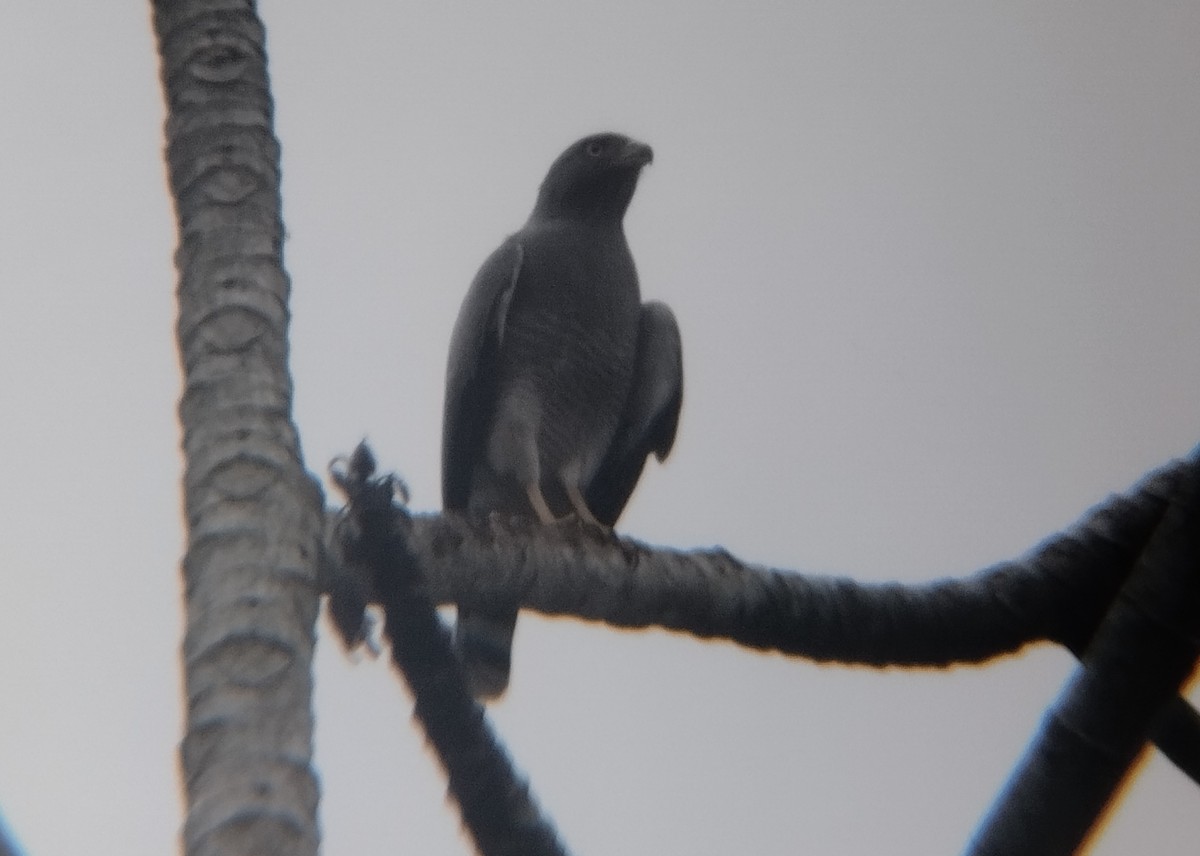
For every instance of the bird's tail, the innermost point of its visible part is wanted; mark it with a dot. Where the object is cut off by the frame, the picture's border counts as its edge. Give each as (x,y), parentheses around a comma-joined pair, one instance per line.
(483,641)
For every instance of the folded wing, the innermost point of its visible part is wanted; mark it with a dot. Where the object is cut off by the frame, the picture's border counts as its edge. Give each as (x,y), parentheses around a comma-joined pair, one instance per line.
(651,413)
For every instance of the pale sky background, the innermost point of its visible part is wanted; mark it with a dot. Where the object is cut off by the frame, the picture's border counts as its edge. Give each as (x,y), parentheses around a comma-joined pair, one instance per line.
(936,266)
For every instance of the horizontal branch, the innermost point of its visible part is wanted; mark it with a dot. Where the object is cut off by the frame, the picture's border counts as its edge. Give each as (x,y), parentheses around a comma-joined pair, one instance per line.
(1059,591)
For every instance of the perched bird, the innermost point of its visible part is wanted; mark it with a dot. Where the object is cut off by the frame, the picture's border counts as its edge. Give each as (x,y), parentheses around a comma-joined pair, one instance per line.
(560,381)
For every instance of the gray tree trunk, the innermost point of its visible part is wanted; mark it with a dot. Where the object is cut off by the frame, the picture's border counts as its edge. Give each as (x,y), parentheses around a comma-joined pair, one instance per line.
(253,514)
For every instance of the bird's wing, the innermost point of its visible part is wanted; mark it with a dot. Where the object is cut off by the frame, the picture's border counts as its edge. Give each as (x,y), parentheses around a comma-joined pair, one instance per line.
(651,413)
(471,370)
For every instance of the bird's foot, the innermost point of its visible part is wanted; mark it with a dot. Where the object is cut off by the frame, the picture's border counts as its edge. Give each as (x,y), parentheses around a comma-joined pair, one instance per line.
(581,509)
(540,508)
(580,513)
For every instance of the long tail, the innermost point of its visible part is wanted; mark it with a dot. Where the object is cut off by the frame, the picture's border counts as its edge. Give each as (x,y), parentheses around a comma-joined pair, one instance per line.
(483,641)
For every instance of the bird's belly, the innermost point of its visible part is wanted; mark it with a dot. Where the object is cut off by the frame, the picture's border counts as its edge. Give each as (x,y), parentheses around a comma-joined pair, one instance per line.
(570,398)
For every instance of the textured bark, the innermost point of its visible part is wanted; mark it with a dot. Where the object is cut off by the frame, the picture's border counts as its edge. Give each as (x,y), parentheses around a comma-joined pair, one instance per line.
(496,805)
(1141,655)
(1059,592)
(252,513)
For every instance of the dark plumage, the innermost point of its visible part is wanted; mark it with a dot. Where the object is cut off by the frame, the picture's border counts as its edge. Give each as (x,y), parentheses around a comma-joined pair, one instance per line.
(560,381)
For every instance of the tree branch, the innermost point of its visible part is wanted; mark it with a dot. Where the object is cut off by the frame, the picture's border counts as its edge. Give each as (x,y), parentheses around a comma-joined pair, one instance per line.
(1059,591)
(1144,650)
(497,807)
(7,847)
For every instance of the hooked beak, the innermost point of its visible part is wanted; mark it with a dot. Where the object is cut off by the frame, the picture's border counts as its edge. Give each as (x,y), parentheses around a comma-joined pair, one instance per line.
(637,153)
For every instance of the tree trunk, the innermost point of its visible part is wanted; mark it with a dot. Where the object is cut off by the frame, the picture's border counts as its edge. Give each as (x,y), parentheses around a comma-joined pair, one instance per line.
(253,514)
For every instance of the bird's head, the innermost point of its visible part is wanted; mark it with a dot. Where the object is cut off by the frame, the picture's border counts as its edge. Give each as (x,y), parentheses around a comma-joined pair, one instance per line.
(593,179)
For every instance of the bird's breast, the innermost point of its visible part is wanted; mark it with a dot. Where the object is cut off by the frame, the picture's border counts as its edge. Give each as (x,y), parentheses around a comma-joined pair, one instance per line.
(570,343)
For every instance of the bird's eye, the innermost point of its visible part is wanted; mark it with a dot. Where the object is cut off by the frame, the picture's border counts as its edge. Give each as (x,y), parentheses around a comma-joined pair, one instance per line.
(595,148)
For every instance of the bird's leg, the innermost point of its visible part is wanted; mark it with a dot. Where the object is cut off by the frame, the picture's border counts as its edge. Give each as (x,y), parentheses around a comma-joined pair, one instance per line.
(580,506)
(533,490)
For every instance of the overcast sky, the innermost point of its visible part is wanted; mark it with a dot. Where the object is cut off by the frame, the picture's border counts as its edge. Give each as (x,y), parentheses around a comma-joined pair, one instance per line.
(936,267)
